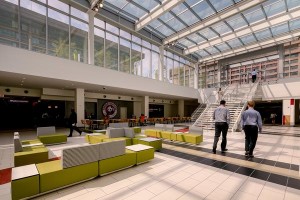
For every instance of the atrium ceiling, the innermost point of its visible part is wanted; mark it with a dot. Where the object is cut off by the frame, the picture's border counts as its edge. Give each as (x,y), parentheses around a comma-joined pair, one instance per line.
(213,29)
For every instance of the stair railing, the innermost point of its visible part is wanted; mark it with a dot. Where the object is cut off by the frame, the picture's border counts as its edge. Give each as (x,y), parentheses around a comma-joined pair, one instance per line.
(248,97)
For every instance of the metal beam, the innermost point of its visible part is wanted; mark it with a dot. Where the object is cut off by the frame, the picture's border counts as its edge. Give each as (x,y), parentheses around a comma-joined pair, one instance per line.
(157,12)
(271,22)
(230,11)
(253,47)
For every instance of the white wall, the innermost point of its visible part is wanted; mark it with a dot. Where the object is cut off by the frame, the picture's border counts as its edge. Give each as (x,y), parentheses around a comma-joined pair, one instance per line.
(284,89)
(41,65)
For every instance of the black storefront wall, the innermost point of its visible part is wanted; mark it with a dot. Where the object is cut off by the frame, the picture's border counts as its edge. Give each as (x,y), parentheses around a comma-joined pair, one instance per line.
(104,104)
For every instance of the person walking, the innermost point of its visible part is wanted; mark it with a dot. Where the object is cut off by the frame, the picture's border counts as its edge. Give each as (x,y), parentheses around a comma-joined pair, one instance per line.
(222,120)
(220,94)
(72,123)
(254,73)
(252,124)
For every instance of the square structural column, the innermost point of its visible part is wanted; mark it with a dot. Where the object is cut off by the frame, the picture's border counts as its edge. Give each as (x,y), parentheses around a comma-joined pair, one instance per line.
(79,105)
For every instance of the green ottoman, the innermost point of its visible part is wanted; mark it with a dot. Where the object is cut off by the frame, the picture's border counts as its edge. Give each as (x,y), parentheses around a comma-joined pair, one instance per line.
(151,133)
(152,142)
(128,140)
(189,138)
(31,155)
(53,138)
(53,176)
(165,135)
(174,135)
(95,138)
(31,142)
(137,129)
(109,165)
(25,182)
(144,153)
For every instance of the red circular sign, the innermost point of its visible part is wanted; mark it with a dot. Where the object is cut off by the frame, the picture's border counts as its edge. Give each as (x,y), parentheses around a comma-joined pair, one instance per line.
(109,109)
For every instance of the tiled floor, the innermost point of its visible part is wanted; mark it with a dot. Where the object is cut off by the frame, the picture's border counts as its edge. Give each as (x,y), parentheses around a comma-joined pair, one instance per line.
(190,172)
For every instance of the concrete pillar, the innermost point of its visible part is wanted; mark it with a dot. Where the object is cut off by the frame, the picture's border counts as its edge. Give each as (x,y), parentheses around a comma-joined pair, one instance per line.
(161,63)
(280,61)
(91,47)
(288,112)
(145,106)
(181,108)
(196,76)
(79,105)
(218,75)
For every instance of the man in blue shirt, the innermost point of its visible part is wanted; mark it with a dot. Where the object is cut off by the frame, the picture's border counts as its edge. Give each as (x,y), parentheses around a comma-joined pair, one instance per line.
(252,124)
(254,73)
(222,120)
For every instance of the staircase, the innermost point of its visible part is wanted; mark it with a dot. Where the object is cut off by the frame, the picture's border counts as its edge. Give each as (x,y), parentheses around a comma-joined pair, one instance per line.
(197,112)
(236,97)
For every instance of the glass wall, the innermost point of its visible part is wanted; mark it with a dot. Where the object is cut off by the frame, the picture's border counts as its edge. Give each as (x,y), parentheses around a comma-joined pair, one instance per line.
(99,47)
(33,26)
(79,36)
(58,34)
(146,62)
(155,65)
(111,51)
(177,70)
(58,29)
(136,63)
(9,25)
(125,46)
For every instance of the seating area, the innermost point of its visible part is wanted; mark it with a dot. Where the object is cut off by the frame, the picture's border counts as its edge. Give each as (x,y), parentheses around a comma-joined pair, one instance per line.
(87,162)
(166,131)
(28,151)
(48,136)
(130,135)
(91,124)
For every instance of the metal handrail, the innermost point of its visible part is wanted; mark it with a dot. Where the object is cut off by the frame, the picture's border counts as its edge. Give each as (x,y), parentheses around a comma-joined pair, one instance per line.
(249,95)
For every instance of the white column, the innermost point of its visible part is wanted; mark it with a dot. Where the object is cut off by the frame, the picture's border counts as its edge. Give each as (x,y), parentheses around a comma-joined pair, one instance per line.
(196,76)
(79,105)
(219,75)
(181,108)
(288,112)
(91,14)
(161,62)
(280,61)
(145,106)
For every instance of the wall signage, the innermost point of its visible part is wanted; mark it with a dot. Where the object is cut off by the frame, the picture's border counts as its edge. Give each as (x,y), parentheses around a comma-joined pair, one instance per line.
(109,109)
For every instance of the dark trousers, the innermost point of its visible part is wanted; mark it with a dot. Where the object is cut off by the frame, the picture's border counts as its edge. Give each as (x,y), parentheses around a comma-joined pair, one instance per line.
(74,127)
(251,133)
(220,127)
(253,78)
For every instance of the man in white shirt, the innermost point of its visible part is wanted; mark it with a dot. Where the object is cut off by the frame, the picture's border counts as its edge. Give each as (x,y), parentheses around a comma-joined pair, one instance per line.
(221,116)
(254,73)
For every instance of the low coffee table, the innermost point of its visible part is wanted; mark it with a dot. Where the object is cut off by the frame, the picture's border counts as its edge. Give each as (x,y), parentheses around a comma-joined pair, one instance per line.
(153,142)
(144,153)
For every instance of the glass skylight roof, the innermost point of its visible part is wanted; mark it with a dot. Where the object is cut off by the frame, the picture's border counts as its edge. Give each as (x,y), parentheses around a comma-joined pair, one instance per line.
(221,5)
(187,15)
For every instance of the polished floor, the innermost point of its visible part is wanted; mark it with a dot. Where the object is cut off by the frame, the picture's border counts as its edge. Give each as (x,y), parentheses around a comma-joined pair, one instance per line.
(190,172)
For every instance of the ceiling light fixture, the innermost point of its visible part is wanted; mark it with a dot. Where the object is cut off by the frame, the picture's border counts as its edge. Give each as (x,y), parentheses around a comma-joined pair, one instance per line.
(96,5)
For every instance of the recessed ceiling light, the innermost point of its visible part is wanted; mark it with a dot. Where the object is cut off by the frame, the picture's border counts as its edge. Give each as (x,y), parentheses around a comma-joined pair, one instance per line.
(23,78)
(21,84)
